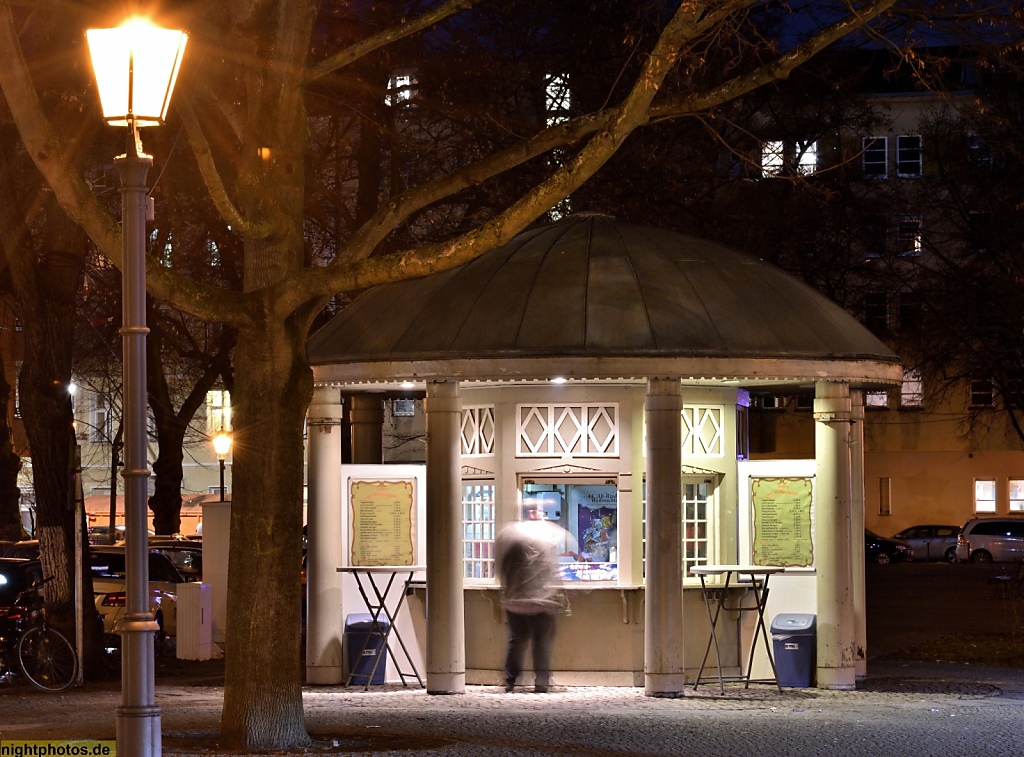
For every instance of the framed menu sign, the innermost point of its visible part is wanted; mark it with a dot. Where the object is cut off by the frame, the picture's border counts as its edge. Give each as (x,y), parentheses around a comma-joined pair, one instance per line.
(381,517)
(782,521)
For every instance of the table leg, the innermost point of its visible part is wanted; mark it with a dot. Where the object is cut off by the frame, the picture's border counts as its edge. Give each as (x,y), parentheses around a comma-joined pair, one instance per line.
(713,637)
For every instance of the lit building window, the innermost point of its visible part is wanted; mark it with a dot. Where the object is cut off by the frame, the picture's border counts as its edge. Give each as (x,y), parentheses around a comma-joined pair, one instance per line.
(876,399)
(775,156)
(912,391)
(400,89)
(985,495)
(1017,495)
(218,411)
(101,426)
(478,530)
(908,236)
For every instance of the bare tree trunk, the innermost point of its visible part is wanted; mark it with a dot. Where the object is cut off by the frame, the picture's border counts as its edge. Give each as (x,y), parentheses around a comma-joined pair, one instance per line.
(48,305)
(274,386)
(11,528)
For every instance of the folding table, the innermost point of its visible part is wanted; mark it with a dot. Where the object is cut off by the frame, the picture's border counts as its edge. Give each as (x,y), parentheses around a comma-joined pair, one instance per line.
(367,577)
(753,578)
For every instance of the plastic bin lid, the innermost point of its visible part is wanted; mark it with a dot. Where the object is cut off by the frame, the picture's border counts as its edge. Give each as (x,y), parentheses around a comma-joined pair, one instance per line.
(363,621)
(788,622)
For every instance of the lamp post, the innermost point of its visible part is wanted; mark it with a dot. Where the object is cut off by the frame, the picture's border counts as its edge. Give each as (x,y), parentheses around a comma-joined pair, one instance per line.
(135,66)
(222,445)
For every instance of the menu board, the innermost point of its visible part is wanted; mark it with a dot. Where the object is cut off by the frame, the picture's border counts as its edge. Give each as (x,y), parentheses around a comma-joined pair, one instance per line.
(382,532)
(782,522)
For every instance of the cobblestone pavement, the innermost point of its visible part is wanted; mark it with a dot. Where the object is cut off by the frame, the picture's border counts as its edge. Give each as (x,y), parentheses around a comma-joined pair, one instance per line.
(901,709)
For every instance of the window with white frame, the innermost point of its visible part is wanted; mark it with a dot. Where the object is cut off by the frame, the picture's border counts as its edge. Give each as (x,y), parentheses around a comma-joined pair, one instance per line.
(885,496)
(908,236)
(876,399)
(698,523)
(101,426)
(806,157)
(875,157)
(912,391)
(981,393)
(400,89)
(218,411)
(478,529)
(773,156)
(1016,495)
(776,156)
(909,156)
(985,495)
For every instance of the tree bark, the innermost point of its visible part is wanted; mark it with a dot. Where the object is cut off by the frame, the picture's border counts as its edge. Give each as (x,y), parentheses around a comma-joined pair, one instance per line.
(263,676)
(11,528)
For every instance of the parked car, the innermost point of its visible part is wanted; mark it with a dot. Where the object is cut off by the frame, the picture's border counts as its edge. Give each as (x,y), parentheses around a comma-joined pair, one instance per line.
(992,539)
(16,575)
(100,534)
(109,589)
(26,550)
(186,554)
(883,550)
(931,542)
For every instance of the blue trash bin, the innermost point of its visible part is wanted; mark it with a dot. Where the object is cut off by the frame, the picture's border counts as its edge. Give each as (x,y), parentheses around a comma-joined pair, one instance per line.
(365,645)
(795,647)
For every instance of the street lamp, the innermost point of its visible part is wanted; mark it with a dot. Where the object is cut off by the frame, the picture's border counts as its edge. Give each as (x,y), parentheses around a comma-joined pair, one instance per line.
(222,446)
(135,66)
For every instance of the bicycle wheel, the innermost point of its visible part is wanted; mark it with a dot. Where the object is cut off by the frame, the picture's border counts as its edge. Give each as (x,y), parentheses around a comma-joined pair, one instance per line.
(47,658)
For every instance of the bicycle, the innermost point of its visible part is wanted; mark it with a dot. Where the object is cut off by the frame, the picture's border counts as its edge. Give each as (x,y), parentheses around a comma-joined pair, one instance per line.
(30,645)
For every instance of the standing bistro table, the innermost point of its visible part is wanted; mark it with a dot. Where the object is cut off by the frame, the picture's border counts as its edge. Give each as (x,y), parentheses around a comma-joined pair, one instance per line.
(755,579)
(377,605)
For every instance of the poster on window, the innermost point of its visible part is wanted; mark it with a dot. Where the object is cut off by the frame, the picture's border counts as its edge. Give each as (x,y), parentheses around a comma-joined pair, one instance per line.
(381,517)
(782,522)
(595,511)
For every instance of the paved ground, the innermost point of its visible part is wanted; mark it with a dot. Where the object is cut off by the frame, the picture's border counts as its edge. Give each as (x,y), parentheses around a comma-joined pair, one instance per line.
(901,709)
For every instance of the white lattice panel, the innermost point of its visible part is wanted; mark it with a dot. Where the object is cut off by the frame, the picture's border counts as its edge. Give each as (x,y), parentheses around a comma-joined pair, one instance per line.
(577,430)
(477,430)
(702,431)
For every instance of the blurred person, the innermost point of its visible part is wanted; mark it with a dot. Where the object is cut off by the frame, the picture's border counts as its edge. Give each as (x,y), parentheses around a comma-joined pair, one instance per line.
(526,555)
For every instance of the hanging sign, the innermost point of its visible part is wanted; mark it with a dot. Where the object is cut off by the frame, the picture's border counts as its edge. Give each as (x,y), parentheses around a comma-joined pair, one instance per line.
(381,517)
(782,521)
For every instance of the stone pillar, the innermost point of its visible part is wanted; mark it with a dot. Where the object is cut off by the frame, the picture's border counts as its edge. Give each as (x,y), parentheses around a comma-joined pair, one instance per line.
(446,623)
(366,419)
(833,536)
(857,527)
(664,671)
(324,623)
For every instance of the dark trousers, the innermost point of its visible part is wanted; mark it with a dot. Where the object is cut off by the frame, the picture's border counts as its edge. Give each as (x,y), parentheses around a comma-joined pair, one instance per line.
(522,629)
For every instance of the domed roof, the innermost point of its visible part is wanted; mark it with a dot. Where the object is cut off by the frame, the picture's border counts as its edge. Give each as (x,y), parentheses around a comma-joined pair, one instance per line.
(589,290)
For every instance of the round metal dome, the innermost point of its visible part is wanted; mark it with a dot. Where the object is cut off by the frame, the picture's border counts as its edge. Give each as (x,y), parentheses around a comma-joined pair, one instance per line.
(597,298)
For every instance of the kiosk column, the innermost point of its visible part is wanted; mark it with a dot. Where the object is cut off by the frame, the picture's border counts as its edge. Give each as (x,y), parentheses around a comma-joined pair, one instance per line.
(324,627)
(664,672)
(857,487)
(833,536)
(446,625)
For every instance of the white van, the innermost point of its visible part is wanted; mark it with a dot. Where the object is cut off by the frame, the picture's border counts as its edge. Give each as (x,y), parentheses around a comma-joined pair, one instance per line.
(991,540)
